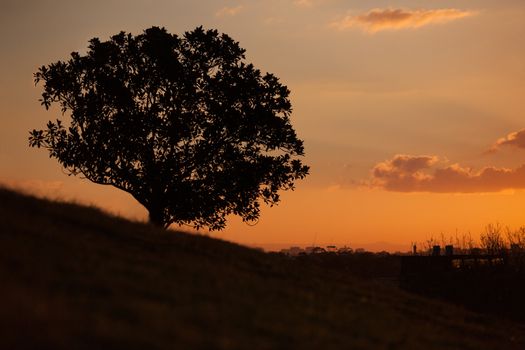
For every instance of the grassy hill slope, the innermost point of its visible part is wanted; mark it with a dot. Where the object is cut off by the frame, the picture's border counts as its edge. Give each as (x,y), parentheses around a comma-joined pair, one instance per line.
(75,278)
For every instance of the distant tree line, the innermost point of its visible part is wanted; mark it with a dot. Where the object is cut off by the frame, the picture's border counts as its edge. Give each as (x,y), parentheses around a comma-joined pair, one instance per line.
(494,239)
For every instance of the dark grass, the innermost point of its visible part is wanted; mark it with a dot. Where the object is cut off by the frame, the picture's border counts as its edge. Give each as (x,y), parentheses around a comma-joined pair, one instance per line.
(75,278)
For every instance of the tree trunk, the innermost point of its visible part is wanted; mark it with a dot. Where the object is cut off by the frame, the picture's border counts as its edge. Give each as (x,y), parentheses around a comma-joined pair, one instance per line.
(156,218)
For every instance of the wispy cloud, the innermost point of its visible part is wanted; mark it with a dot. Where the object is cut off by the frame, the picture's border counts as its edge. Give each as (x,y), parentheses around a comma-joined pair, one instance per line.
(514,139)
(303,3)
(395,19)
(406,173)
(229,11)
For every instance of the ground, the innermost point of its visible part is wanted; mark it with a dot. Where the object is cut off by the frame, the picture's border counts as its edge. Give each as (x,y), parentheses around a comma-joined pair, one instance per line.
(76,278)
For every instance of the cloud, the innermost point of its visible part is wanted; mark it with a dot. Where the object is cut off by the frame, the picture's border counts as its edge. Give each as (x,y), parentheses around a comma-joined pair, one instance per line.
(308,4)
(514,139)
(406,163)
(229,11)
(303,3)
(406,173)
(394,19)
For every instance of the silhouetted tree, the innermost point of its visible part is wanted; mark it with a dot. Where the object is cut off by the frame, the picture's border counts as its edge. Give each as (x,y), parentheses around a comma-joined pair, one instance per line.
(182,123)
(516,238)
(492,240)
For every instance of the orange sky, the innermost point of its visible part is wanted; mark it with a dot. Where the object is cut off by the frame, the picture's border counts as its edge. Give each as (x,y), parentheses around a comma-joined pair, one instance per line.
(411,111)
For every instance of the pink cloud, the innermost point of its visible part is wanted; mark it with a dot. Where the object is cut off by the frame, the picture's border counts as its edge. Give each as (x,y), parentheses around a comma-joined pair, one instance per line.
(303,3)
(406,163)
(229,11)
(395,19)
(405,173)
(514,139)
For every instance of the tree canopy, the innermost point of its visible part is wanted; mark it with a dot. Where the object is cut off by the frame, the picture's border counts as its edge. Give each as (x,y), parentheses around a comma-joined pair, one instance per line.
(182,123)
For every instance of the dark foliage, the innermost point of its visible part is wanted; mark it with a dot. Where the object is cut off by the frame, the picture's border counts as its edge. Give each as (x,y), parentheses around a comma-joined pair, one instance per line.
(181,123)
(494,286)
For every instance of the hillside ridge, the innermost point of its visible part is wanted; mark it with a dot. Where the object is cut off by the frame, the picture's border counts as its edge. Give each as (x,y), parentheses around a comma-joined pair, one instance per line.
(75,277)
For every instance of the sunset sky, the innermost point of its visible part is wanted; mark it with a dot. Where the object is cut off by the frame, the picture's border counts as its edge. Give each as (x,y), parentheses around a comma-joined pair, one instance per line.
(412,112)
